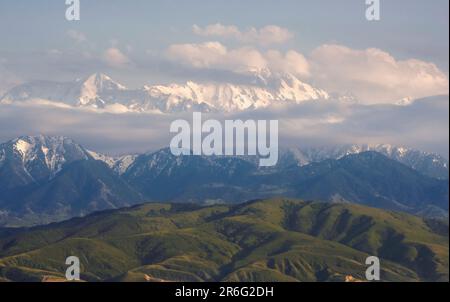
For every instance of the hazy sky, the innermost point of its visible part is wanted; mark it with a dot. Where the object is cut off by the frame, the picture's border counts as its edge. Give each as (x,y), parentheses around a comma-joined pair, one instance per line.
(31,31)
(327,43)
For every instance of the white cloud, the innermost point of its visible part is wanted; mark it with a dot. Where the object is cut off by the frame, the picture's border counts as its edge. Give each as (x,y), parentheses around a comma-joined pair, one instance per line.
(374,76)
(203,55)
(266,35)
(76,36)
(291,62)
(115,58)
(214,55)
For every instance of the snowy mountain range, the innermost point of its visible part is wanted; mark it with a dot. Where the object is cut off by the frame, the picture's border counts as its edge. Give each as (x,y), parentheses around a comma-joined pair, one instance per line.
(50,178)
(41,156)
(430,164)
(99,91)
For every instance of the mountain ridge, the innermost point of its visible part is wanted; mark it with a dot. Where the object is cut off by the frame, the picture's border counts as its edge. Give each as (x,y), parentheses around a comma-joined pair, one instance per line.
(45,179)
(98,91)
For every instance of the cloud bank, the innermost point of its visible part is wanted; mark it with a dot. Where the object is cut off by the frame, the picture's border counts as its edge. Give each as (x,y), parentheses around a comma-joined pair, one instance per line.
(422,125)
(267,35)
(247,60)
(374,75)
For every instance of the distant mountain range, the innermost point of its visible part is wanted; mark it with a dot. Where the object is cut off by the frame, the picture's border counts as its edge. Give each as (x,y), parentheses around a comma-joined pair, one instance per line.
(45,179)
(99,91)
(430,164)
(263,240)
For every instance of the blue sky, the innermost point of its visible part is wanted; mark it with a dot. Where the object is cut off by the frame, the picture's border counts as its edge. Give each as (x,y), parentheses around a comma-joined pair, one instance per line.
(407,22)
(408,28)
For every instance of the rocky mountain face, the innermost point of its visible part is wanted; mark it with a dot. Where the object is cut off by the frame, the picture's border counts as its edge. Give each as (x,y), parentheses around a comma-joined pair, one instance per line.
(31,159)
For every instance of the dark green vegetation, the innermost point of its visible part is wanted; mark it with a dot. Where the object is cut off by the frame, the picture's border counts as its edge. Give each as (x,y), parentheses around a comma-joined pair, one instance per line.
(271,240)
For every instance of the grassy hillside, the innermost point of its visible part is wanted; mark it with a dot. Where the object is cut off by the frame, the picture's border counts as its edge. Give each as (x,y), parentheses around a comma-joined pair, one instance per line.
(270,240)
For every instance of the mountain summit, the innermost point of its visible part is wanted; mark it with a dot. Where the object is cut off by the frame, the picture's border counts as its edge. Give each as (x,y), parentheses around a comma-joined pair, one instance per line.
(37,158)
(97,90)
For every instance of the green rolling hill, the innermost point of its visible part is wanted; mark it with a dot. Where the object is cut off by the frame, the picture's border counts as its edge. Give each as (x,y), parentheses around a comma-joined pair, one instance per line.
(264,240)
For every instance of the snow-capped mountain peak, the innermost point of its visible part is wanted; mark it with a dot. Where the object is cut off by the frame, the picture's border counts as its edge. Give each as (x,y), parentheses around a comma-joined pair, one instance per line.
(41,156)
(97,90)
(98,83)
(291,88)
(118,163)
